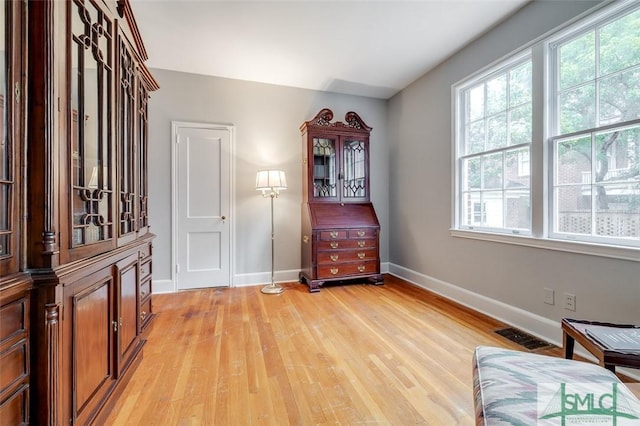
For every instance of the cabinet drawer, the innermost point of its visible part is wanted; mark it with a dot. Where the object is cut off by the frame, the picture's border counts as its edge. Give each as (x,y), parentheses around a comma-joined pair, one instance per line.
(333,235)
(145,270)
(15,410)
(14,319)
(361,233)
(347,244)
(345,269)
(145,311)
(145,289)
(145,251)
(14,363)
(338,256)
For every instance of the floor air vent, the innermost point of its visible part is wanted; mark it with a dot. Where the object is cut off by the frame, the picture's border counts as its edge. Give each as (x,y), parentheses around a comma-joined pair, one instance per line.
(522,338)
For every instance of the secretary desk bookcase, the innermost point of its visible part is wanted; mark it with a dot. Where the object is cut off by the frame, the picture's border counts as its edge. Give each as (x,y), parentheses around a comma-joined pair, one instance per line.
(340,229)
(75,243)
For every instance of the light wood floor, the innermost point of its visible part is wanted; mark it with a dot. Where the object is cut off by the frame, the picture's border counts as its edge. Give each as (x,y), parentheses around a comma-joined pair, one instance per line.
(353,354)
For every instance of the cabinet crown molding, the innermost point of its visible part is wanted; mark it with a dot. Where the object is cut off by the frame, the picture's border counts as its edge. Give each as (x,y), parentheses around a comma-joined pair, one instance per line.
(324,117)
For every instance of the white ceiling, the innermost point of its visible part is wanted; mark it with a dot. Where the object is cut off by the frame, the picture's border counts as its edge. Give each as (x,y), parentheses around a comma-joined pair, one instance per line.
(370,48)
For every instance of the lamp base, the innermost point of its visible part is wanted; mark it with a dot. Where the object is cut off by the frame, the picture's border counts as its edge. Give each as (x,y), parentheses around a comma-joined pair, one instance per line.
(272,289)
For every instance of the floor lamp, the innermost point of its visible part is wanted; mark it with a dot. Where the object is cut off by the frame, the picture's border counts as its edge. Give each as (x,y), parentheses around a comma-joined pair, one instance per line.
(271,182)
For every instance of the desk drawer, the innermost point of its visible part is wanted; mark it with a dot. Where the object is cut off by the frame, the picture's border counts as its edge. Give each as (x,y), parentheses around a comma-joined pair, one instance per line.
(339,256)
(347,269)
(347,244)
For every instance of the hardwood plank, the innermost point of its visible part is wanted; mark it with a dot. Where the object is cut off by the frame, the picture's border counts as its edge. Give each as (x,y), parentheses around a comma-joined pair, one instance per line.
(393,354)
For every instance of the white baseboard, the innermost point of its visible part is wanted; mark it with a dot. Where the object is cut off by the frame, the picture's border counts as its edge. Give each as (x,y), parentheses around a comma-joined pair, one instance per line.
(262,278)
(541,327)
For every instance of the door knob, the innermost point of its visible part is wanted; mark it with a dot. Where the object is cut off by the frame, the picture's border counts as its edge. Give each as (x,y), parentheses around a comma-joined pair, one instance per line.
(223,217)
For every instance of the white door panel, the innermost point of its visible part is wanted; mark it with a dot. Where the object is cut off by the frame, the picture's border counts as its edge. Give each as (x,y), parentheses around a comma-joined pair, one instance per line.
(202,224)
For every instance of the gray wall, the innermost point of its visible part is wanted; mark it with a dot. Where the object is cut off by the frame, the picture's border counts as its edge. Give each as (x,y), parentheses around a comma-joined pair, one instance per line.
(420,197)
(267,120)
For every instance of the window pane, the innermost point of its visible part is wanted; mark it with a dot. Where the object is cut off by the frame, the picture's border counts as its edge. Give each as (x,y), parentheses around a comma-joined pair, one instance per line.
(475,103)
(493,206)
(620,44)
(619,216)
(517,168)
(520,125)
(497,132)
(520,85)
(492,171)
(573,204)
(471,209)
(471,174)
(577,109)
(497,94)
(577,61)
(475,137)
(573,161)
(620,97)
(518,211)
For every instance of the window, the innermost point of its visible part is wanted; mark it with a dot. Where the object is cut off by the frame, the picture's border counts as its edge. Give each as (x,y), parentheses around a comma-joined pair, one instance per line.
(495,129)
(587,174)
(596,136)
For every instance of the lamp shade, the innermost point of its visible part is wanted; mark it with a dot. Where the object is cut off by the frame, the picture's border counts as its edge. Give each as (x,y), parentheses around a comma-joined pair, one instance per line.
(271,180)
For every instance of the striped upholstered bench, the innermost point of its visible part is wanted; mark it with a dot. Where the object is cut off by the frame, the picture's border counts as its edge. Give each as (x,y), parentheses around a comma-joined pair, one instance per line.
(521,388)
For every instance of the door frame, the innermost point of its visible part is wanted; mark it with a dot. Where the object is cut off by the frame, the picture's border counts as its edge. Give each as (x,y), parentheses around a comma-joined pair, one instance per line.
(175,125)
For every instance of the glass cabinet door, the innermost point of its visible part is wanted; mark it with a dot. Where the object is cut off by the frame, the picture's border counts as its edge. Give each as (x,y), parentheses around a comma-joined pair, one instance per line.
(143,145)
(10,126)
(354,171)
(91,103)
(126,144)
(324,168)
(6,160)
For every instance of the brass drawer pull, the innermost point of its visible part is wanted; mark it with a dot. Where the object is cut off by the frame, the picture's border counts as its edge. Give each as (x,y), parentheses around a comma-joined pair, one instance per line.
(334,257)
(362,255)
(361,268)
(334,234)
(143,315)
(334,244)
(361,234)
(361,243)
(333,271)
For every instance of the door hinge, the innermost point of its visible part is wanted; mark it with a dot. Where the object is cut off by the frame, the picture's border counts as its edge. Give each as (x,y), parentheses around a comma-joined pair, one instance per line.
(177,268)
(16,92)
(115,326)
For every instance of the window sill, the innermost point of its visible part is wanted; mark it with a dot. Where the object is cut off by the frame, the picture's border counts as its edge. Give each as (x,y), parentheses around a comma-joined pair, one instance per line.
(615,252)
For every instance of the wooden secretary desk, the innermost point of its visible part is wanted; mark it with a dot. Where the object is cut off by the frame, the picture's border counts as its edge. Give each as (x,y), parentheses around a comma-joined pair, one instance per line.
(340,229)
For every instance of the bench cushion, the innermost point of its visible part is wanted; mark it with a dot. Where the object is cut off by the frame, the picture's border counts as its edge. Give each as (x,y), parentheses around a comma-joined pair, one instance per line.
(506,384)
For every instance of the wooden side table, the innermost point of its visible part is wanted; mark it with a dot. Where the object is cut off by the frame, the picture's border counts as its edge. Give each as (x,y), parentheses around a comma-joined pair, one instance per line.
(575,330)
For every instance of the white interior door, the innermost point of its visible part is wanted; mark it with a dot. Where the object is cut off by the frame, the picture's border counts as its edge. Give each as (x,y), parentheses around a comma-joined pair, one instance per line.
(202,157)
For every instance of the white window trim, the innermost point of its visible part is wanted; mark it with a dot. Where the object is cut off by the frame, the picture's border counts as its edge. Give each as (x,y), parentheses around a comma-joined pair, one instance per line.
(540,184)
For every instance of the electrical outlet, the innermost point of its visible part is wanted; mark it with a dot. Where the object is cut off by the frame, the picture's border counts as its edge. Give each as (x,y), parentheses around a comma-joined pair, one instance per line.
(570,301)
(548,296)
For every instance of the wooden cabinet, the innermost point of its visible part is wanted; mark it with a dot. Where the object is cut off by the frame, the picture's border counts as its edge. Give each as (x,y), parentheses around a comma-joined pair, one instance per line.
(14,351)
(340,229)
(75,242)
